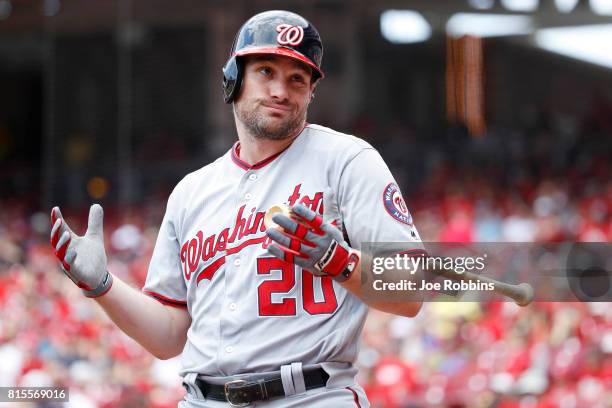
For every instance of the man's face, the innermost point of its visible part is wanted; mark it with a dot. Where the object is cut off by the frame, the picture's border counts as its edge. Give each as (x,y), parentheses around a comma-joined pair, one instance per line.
(274,96)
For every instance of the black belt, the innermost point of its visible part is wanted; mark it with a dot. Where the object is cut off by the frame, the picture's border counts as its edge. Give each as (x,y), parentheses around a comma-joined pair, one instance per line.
(241,392)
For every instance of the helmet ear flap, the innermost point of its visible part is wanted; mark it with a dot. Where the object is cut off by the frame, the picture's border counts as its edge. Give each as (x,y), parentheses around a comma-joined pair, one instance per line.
(232,79)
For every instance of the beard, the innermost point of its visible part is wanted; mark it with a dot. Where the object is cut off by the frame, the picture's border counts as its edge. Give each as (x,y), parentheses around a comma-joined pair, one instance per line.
(264,126)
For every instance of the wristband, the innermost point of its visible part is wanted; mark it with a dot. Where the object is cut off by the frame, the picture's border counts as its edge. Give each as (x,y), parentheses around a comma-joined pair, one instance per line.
(346,273)
(102,288)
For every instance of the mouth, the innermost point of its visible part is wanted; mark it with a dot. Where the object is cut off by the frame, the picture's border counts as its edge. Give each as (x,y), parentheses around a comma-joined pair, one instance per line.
(276,107)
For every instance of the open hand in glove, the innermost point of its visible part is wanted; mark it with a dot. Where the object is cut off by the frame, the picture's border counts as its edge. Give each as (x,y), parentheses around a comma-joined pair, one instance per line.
(312,244)
(83,258)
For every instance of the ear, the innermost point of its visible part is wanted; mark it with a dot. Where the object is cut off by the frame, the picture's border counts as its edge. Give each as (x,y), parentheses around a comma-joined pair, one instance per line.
(313,84)
(313,87)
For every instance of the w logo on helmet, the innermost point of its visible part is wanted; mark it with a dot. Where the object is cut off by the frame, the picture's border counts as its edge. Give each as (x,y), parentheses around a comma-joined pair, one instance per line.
(289,35)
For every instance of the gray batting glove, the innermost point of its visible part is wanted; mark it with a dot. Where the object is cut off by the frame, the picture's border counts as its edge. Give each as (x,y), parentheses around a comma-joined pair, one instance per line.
(312,244)
(83,258)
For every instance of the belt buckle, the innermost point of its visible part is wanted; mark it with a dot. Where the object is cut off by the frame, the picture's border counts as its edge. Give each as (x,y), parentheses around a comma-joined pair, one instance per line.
(227,390)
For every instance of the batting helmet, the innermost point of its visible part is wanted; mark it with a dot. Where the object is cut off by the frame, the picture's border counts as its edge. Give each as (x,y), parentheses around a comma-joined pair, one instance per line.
(272,32)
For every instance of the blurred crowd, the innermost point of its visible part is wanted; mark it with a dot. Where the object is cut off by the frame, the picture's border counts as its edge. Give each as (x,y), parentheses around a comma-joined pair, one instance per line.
(548,179)
(51,335)
(550,183)
(548,355)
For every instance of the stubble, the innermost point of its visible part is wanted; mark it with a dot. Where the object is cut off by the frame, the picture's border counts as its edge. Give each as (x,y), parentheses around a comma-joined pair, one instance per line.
(262,126)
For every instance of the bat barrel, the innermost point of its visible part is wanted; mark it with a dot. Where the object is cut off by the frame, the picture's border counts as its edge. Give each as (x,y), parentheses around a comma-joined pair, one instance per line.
(522,294)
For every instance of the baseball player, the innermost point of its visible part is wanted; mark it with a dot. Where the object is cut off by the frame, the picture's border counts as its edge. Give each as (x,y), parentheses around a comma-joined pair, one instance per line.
(260,317)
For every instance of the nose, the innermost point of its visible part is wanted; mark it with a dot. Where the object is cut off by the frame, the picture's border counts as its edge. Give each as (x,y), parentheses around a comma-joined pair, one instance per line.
(278,90)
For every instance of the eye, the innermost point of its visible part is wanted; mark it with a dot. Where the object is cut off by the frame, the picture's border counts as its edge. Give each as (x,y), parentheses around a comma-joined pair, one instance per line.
(298,78)
(266,71)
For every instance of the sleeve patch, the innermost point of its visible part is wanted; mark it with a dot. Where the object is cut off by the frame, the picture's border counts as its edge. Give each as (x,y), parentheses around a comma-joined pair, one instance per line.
(395,204)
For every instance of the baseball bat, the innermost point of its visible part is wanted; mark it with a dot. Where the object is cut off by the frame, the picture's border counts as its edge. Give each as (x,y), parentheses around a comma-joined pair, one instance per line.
(522,294)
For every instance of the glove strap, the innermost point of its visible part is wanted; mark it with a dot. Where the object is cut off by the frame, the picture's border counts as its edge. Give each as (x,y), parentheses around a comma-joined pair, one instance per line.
(102,288)
(338,262)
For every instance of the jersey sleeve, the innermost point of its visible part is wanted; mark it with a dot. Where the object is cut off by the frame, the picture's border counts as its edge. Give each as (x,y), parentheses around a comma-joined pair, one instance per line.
(371,205)
(165,277)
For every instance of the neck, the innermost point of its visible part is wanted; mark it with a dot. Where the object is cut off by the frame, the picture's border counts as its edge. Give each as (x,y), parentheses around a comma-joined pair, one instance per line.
(254,150)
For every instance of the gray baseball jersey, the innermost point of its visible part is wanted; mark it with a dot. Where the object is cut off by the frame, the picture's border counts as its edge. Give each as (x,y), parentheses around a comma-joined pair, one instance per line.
(250,311)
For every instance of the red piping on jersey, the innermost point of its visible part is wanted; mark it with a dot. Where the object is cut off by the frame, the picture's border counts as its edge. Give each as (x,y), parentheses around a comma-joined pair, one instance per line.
(166,300)
(210,270)
(355,397)
(246,166)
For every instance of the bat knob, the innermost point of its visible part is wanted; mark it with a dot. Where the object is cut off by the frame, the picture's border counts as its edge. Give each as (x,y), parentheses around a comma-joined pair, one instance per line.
(526,294)
(276,209)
